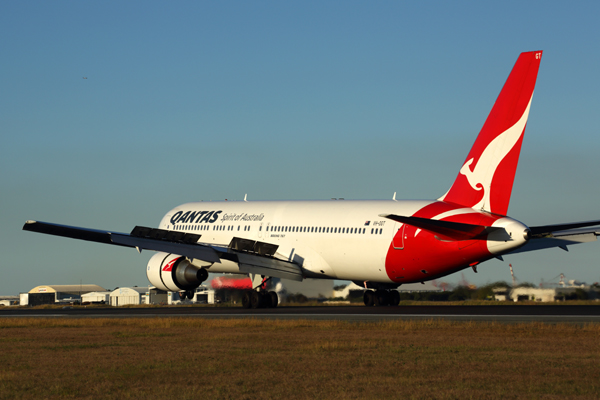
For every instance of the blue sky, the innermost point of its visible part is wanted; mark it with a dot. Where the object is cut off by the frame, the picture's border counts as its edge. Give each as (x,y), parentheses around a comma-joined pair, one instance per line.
(280,100)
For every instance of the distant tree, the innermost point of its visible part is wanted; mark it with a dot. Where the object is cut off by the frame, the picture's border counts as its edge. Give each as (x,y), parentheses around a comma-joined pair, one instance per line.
(578,294)
(487,291)
(461,293)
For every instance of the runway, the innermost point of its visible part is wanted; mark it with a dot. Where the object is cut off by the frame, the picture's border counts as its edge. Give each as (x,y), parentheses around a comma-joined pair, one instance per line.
(496,313)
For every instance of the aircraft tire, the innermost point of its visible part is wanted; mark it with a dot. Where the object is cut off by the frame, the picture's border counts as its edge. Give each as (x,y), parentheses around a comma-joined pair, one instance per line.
(369,298)
(274,299)
(381,298)
(182,295)
(394,298)
(256,299)
(246,303)
(189,294)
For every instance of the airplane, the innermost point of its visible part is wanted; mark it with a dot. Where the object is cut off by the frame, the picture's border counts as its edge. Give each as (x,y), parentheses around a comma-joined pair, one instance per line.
(377,244)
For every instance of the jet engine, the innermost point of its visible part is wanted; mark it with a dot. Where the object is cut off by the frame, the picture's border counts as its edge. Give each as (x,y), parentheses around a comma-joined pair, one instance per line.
(172,272)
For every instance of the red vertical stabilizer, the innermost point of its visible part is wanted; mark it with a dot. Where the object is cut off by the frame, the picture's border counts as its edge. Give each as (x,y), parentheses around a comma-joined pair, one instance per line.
(486,178)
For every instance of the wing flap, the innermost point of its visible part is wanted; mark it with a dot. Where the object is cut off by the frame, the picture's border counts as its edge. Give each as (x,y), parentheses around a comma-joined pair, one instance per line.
(258,265)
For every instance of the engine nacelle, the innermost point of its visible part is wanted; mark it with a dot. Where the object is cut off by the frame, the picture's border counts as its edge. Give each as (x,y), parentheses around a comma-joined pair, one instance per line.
(172,272)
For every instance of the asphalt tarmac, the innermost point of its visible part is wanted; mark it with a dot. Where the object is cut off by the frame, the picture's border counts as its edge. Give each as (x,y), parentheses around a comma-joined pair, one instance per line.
(578,314)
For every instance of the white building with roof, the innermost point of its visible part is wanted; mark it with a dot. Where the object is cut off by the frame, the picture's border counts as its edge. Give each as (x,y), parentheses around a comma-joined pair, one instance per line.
(127,296)
(96,297)
(48,294)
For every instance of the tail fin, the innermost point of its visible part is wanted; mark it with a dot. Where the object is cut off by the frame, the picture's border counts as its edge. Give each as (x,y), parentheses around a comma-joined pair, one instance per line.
(486,178)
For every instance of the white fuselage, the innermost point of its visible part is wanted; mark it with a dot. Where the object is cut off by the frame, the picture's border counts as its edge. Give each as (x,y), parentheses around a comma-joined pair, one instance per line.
(335,239)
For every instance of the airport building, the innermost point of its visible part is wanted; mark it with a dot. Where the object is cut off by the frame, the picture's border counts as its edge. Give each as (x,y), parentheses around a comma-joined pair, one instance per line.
(127,296)
(50,294)
(9,300)
(96,298)
(560,293)
(202,295)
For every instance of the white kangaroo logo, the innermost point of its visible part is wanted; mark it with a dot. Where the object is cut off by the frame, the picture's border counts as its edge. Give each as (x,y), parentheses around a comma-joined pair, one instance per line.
(481,176)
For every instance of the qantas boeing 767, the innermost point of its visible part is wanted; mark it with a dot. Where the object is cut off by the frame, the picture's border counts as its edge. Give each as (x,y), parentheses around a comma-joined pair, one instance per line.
(379,245)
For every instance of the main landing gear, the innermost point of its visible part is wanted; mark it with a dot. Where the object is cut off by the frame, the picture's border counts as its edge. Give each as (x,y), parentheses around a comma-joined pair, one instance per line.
(259,299)
(381,298)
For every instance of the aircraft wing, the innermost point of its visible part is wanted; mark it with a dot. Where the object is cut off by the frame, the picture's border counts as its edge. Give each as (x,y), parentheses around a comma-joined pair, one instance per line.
(252,257)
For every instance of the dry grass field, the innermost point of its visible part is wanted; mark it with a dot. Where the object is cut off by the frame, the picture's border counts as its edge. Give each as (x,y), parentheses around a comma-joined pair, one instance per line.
(191,358)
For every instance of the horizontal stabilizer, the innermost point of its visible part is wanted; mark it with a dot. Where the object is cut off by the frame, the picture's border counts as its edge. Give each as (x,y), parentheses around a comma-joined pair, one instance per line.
(556,241)
(447,230)
(560,235)
(541,231)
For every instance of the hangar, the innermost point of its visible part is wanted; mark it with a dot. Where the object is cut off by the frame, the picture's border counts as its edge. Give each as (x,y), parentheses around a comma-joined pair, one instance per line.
(96,297)
(127,296)
(49,294)
(9,300)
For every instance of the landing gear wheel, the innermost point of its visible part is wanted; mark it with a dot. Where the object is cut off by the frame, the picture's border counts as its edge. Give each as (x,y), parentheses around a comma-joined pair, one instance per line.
(274,299)
(369,298)
(394,297)
(246,299)
(255,299)
(182,295)
(381,298)
(189,294)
